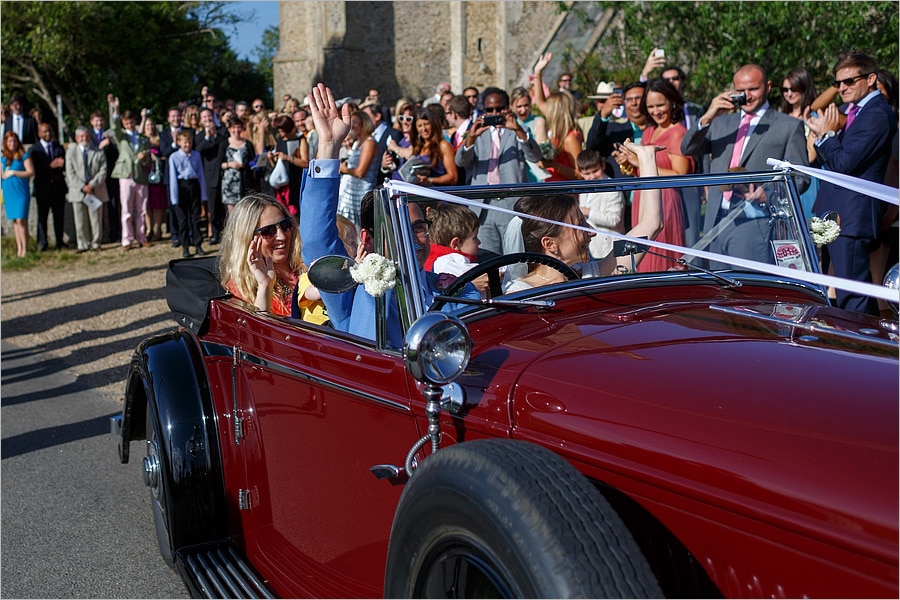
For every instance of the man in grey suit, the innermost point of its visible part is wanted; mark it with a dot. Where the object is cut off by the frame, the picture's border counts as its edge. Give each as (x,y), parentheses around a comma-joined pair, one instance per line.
(86,170)
(498,157)
(763,133)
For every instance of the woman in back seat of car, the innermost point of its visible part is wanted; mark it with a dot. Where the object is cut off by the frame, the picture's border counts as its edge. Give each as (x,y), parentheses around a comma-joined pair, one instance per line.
(260,257)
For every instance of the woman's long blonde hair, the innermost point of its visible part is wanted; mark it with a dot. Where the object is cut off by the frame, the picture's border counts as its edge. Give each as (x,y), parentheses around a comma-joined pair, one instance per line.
(560,114)
(242,222)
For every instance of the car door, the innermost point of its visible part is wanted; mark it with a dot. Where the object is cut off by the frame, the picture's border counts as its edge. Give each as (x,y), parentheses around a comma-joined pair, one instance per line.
(319,408)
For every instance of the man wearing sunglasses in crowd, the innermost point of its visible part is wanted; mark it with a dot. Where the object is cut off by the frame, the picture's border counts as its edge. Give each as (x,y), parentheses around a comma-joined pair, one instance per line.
(861,148)
(496,151)
(352,311)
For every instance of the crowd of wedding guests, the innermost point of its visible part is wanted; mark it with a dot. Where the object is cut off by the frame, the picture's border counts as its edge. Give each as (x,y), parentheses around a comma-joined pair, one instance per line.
(131,178)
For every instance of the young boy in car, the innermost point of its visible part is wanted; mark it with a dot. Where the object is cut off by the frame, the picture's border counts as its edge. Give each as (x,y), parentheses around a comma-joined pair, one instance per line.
(604,211)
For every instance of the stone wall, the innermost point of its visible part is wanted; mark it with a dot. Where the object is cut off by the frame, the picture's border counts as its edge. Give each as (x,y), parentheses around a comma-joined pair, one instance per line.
(407,48)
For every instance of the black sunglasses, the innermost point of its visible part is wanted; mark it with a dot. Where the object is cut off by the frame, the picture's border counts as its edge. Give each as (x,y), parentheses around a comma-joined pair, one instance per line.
(268,231)
(421,226)
(849,81)
(785,90)
(494,109)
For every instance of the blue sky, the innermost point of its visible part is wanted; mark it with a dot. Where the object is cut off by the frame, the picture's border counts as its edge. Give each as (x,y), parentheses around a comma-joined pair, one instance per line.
(249,34)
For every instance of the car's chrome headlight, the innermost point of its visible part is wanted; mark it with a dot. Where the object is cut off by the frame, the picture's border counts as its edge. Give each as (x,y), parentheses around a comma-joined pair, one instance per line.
(437,348)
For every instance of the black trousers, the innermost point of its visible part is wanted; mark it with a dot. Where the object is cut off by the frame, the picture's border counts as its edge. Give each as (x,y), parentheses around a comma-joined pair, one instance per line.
(47,203)
(187,212)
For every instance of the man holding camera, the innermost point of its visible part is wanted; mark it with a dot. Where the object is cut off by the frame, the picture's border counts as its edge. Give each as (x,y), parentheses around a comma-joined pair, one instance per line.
(740,131)
(496,151)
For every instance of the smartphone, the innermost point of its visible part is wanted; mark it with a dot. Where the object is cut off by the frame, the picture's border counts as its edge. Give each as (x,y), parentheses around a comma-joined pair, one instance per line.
(660,53)
(494,120)
(617,90)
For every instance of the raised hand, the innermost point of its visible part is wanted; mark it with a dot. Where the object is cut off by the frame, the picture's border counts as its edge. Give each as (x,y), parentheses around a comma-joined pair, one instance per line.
(542,62)
(332,123)
(260,265)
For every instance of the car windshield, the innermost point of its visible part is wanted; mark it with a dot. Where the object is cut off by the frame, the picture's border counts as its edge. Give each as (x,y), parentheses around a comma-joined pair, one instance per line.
(761,232)
(763,226)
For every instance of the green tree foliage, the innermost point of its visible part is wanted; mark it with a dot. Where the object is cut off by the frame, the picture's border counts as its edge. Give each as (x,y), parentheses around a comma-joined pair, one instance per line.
(149,54)
(710,40)
(265,52)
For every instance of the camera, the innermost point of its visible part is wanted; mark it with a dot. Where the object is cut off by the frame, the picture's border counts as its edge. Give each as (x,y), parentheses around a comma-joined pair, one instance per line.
(660,53)
(494,120)
(738,99)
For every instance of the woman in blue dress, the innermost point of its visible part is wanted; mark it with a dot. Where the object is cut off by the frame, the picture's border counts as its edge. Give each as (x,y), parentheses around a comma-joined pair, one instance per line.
(17,171)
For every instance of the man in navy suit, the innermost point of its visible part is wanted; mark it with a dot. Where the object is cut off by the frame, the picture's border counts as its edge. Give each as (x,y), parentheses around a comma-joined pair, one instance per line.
(24,125)
(861,149)
(168,146)
(50,187)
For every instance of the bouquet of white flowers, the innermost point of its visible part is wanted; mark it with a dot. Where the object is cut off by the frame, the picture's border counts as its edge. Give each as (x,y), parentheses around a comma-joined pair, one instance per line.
(376,273)
(548,152)
(824,231)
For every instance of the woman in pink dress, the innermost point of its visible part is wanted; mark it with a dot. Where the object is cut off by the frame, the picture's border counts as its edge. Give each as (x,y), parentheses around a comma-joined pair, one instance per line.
(663,104)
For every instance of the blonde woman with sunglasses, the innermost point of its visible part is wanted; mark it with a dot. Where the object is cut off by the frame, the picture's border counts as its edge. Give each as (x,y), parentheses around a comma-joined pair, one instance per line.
(260,256)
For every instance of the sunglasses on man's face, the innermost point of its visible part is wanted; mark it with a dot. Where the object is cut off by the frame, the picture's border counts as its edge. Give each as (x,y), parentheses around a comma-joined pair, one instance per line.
(849,81)
(494,109)
(268,231)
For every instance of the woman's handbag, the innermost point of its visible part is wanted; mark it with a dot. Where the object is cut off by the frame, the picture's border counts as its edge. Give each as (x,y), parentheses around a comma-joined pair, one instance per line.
(155,175)
(279,175)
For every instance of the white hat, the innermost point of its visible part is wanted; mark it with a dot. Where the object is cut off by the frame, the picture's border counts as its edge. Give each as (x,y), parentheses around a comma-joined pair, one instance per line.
(604,90)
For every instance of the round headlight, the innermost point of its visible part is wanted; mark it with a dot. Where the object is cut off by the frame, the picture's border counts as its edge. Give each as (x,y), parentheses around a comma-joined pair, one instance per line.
(437,348)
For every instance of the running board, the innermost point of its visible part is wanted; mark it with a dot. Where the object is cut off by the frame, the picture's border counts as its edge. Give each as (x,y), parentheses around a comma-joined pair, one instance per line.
(219,571)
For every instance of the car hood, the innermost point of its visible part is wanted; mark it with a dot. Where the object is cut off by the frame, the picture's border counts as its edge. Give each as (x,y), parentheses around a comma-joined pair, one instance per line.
(735,403)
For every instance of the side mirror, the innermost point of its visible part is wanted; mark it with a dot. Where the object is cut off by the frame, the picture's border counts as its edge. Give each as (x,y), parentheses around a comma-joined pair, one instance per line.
(331,273)
(831,215)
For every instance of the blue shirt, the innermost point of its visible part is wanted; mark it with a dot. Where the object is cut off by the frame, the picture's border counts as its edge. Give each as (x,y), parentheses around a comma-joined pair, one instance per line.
(185,166)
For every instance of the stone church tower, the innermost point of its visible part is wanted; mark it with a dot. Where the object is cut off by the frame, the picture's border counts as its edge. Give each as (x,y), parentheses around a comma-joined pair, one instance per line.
(407,48)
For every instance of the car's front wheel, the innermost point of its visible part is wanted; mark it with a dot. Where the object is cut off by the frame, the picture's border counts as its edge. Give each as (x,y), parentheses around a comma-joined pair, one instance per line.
(506,519)
(156,478)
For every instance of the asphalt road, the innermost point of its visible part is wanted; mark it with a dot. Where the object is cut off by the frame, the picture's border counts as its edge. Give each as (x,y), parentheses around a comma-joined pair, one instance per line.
(75,522)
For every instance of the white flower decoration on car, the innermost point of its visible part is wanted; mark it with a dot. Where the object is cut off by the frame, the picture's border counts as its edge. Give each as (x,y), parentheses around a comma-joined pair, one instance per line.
(824,231)
(376,273)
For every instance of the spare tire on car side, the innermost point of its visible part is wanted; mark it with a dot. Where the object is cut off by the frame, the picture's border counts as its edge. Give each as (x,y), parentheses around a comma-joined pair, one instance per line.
(503,518)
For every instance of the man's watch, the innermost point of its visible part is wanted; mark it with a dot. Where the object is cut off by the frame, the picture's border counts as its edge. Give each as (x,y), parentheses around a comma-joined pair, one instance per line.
(826,135)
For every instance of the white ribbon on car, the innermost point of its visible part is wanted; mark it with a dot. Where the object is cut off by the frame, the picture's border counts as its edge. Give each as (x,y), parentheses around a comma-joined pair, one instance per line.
(858,287)
(879,191)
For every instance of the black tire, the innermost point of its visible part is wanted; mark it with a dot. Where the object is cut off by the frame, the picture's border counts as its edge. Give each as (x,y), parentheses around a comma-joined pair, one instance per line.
(501,518)
(156,477)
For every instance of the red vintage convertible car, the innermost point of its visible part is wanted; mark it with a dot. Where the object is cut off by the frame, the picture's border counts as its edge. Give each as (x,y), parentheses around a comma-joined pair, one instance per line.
(694,432)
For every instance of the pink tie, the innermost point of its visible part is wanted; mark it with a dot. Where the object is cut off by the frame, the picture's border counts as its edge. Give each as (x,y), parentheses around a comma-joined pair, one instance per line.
(851,115)
(493,174)
(736,153)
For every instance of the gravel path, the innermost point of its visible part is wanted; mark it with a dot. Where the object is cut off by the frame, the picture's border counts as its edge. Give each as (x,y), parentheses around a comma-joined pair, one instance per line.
(90,311)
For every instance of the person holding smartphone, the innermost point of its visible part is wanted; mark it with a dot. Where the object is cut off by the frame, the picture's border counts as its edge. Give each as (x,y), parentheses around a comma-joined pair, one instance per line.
(497,150)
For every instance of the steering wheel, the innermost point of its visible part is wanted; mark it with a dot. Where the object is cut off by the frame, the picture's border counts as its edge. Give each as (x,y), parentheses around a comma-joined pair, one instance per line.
(492,268)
